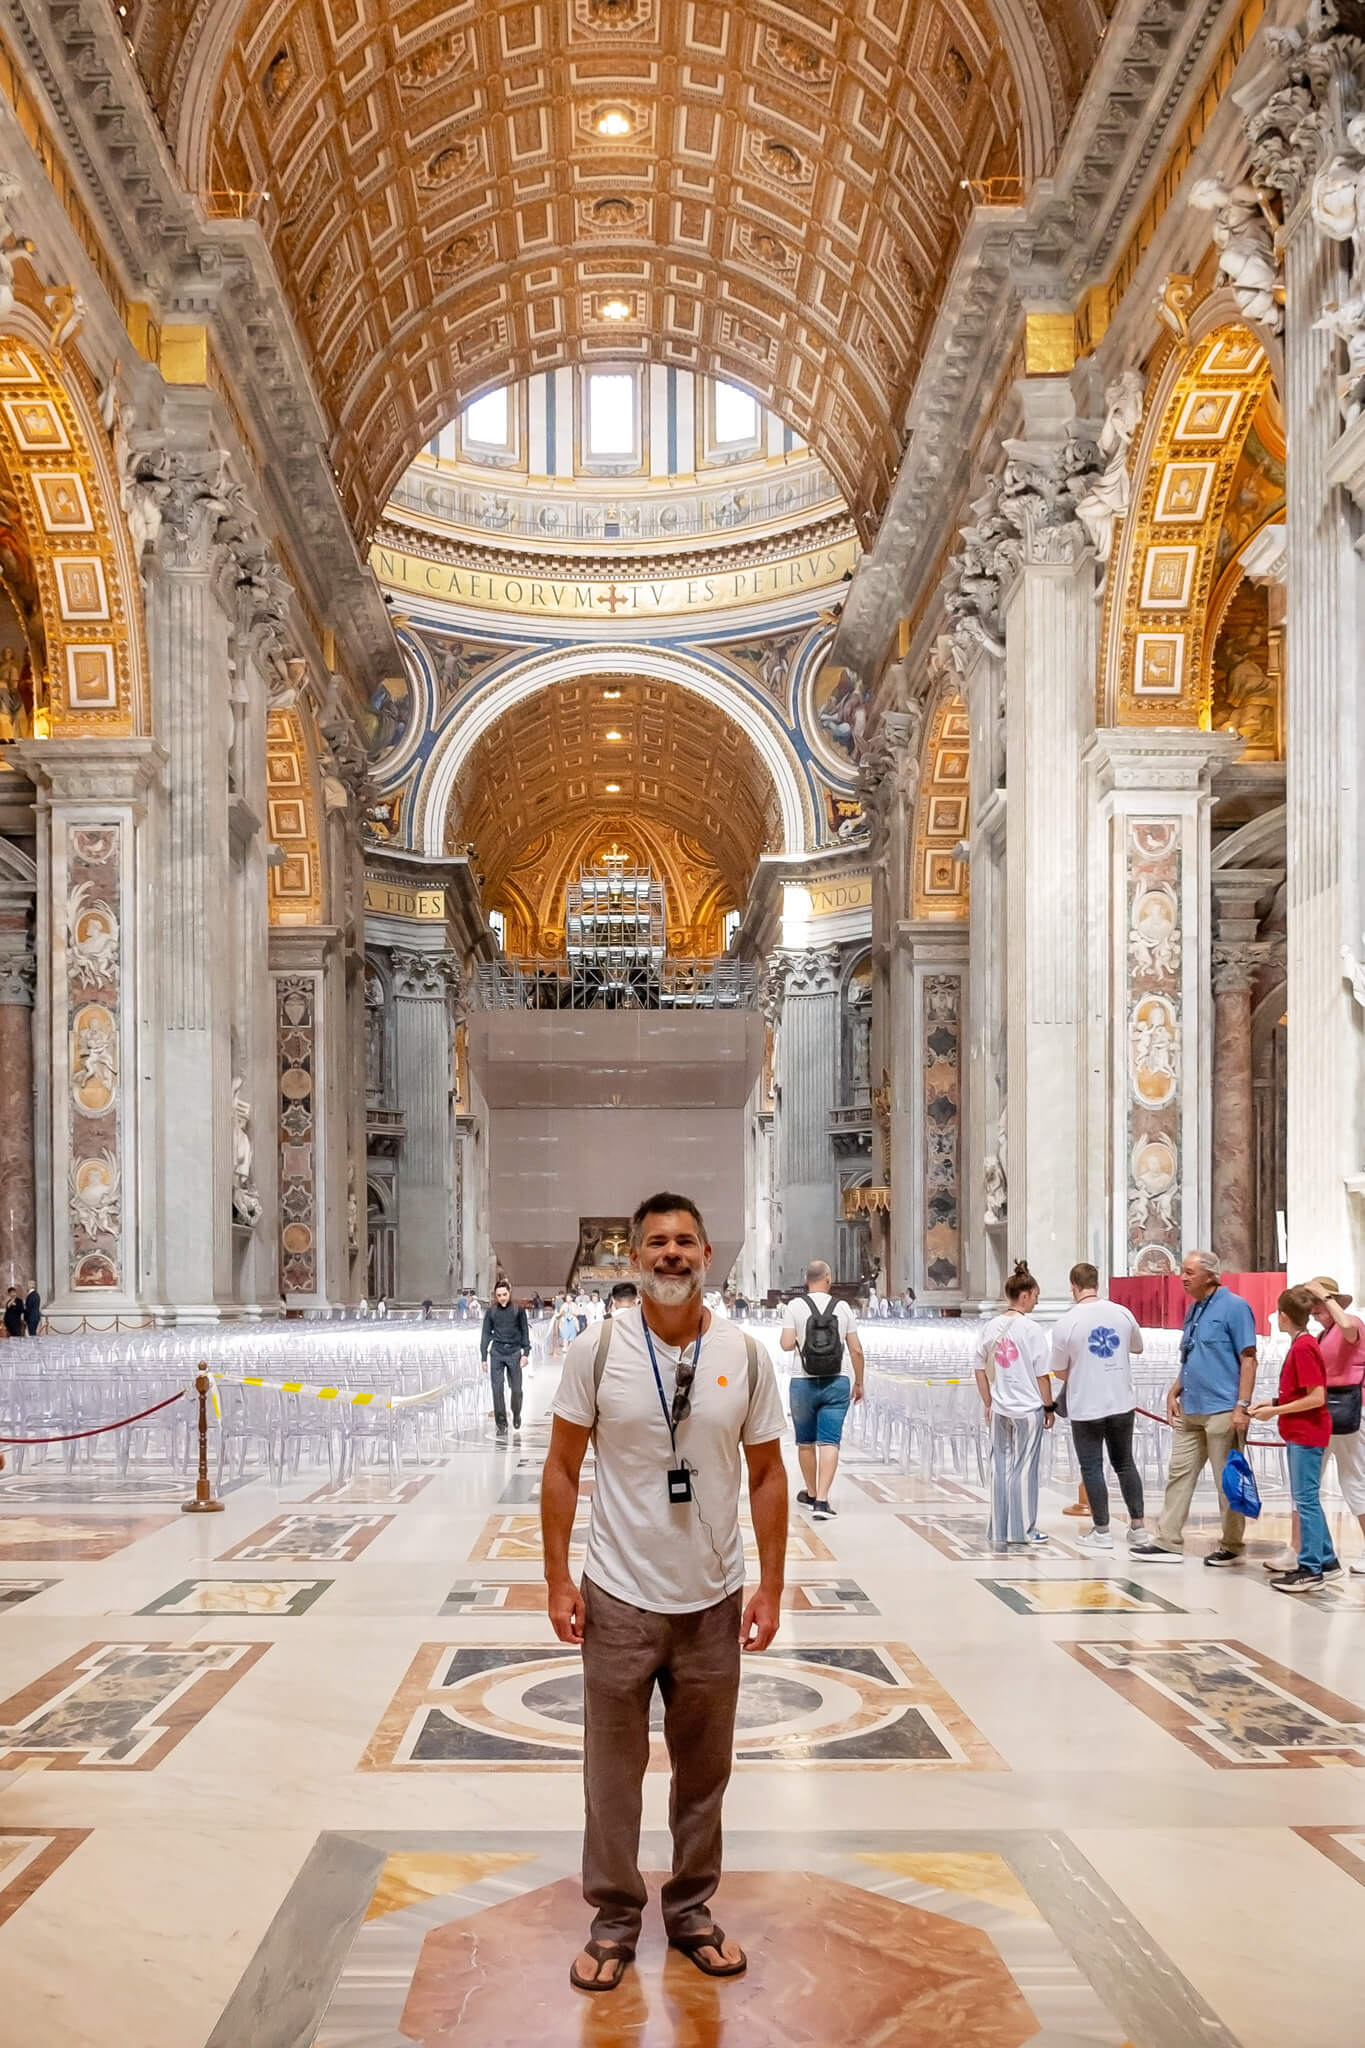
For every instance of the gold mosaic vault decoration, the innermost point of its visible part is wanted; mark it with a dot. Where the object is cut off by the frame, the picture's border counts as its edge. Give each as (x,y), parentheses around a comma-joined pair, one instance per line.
(291,820)
(939,878)
(1160,619)
(454,204)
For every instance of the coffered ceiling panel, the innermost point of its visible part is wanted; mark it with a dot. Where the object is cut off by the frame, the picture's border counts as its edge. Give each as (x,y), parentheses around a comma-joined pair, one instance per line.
(461,194)
(552,761)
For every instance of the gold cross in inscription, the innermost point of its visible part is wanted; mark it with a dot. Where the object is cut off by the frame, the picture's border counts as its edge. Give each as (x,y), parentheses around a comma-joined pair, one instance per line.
(615,597)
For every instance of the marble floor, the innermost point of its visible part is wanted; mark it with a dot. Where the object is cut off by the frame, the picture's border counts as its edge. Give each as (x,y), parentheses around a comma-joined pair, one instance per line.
(306,1772)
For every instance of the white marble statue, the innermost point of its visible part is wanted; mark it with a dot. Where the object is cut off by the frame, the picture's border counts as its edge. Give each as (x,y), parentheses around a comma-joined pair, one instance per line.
(1105,500)
(1246,248)
(246,1203)
(10,239)
(1353,971)
(1337,198)
(1347,322)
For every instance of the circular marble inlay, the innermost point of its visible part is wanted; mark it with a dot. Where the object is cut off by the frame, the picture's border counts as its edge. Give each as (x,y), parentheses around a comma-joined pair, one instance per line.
(762,1702)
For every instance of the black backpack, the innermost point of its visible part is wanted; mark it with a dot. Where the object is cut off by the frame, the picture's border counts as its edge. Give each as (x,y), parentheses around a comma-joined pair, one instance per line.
(822,1347)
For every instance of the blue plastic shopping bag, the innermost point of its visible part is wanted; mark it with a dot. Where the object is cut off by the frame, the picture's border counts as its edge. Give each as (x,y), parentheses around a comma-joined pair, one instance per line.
(1239,1486)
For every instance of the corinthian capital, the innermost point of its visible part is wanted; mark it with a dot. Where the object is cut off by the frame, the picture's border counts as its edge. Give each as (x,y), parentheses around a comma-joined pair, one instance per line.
(1236,963)
(425,977)
(18,971)
(814,972)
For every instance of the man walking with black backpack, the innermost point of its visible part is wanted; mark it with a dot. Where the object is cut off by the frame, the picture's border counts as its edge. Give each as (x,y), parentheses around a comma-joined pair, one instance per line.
(824,1335)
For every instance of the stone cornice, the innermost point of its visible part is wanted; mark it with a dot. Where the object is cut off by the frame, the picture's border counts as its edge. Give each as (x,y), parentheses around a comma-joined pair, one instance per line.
(1165,758)
(732,558)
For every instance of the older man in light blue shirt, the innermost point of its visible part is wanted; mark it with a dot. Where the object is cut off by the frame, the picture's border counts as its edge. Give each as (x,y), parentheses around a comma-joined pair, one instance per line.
(1207,1408)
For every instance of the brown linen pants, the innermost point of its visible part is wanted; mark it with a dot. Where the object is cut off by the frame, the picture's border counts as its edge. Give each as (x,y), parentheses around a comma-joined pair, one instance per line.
(695,1659)
(1198,1440)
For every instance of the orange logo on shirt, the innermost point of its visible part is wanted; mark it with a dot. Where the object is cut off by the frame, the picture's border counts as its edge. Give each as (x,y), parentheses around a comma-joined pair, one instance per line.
(722,1381)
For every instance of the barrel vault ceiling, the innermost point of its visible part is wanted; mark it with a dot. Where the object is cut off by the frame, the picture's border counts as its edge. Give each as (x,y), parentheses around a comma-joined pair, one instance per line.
(446,211)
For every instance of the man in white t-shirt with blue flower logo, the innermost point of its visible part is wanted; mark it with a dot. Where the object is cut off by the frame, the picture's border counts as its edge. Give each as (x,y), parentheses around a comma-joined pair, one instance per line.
(1093,1348)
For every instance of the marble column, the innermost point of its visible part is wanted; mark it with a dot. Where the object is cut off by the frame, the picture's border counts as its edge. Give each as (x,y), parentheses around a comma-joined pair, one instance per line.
(303,964)
(1306,147)
(808,1066)
(188,629)
(426,1165)
(1325,670)
(1048,606)
(929,1167)
(888,785)
(18,969)
(1234,972)
(985,1196)
(96,1135)
(1148,994)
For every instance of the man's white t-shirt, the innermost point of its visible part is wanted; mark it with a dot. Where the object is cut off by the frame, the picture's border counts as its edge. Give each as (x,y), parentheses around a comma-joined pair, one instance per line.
(797,1317)
(1095,1343)
(1015,1352)
(641,1548)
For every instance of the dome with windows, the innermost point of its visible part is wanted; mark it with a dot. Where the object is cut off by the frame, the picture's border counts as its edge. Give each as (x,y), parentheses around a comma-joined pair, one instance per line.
(623,454)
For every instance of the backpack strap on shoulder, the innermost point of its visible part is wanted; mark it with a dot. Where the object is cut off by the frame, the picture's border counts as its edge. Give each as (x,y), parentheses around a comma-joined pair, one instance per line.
(599,1357)
(751,1348)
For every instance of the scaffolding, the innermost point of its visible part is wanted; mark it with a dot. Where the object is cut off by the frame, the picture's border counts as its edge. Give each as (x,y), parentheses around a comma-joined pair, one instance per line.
(614,918)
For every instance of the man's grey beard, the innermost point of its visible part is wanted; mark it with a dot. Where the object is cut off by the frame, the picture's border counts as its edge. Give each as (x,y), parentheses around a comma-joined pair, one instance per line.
(671,1290)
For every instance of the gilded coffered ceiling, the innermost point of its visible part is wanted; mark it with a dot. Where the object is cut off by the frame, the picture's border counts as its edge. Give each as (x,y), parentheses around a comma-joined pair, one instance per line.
(455,195)
(678,763)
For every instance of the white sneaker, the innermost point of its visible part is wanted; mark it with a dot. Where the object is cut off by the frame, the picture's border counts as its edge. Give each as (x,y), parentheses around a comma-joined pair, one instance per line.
(1037,1536)
(1137,1537)
(1095,1539)
(1284,1560)
(1358,1568)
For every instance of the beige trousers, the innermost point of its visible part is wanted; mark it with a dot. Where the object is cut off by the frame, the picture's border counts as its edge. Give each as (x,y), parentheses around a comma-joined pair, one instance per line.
(695,1660)
(1198,1440)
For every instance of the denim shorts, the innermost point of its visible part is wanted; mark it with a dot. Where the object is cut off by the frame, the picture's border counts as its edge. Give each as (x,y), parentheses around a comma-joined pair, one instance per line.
(819,1408)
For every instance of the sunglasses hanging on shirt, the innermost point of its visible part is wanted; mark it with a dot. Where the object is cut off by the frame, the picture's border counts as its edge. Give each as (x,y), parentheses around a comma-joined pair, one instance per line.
(679,1477)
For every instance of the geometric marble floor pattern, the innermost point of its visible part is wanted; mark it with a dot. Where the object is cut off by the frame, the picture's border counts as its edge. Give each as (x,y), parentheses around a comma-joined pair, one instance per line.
(307,1772)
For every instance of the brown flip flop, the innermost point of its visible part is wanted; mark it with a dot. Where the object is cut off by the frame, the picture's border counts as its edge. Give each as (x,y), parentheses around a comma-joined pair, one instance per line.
(602,1952)
(691,1946)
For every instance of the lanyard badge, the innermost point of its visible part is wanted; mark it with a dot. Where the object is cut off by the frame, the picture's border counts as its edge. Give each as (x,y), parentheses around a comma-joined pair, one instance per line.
(679,1476)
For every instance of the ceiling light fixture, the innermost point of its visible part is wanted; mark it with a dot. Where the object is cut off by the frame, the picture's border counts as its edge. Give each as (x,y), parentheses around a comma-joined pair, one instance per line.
(613,789)
(612,693)
(615,309)
(614,123)
(613,735)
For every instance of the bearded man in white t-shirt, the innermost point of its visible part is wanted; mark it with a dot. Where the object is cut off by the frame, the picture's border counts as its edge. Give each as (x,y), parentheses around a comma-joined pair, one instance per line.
(1094,1344)
(669,1397)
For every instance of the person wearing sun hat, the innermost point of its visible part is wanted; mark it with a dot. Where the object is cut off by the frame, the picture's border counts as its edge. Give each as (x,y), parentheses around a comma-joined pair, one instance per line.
(1342,1343)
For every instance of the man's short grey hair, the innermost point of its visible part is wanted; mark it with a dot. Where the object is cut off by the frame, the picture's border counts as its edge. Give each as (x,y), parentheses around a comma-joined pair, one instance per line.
(1210,1261)
(816,1270)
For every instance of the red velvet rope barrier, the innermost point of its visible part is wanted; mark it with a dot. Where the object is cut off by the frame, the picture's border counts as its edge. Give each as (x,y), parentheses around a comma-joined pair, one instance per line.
(1253,1443)
(103,1429)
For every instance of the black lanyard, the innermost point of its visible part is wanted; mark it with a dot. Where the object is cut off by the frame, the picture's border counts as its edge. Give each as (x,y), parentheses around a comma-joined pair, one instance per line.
(1187,1335)
(658,1381)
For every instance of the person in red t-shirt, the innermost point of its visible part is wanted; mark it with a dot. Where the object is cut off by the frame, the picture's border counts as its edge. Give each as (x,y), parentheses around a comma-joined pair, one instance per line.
(1342,1342)
(1306,1426)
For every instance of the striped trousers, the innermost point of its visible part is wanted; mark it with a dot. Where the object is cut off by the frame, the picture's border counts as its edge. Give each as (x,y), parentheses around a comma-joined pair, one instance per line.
(1016,1445)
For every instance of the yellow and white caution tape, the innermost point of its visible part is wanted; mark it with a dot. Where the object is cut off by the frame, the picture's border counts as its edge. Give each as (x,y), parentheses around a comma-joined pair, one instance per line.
(348,1397)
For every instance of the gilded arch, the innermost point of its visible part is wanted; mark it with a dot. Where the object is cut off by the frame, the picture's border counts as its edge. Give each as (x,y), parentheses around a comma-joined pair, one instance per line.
(439,777)
(1159,624)
(92,678)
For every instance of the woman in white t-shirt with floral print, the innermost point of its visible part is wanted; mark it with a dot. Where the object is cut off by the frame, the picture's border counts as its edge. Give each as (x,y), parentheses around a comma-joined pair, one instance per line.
(1012,1359)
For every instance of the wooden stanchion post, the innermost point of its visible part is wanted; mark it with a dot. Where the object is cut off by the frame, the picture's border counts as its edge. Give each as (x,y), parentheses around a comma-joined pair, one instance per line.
(203,1502)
